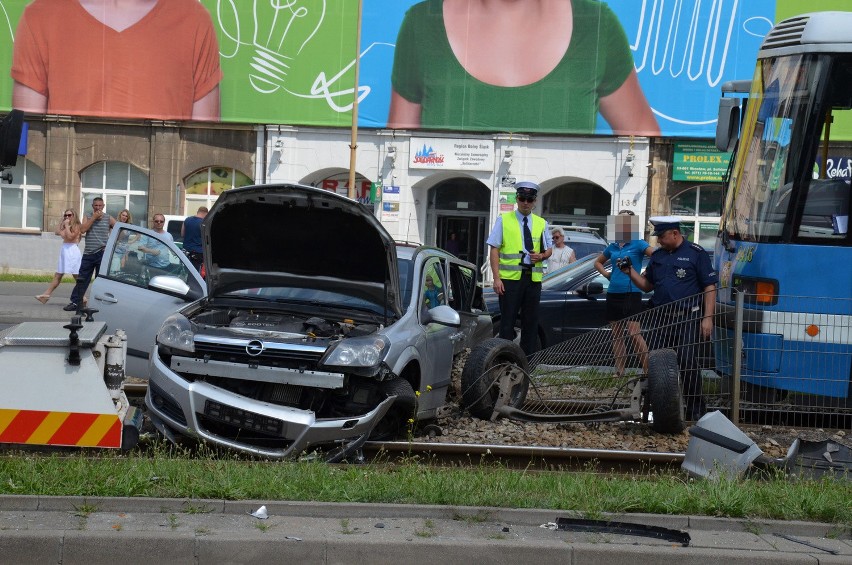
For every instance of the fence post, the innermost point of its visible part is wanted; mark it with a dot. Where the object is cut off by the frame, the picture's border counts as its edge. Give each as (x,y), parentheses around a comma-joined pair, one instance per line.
(739,299)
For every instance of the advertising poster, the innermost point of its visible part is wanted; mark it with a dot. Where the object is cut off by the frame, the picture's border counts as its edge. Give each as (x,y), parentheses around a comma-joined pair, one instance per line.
(591,67)
(699,162)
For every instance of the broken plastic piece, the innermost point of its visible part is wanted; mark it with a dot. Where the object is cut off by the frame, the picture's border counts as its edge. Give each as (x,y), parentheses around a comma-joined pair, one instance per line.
(624,528)
(261,513)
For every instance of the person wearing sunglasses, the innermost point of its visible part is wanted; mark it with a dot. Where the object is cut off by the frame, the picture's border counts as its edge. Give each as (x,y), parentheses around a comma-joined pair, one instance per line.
(519,243)
(95,229)
(69,256)
(157,255)
(562,254)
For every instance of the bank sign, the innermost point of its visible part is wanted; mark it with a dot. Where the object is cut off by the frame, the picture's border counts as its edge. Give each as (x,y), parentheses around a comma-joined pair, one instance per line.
(451,154)
(294,62)
(699,162)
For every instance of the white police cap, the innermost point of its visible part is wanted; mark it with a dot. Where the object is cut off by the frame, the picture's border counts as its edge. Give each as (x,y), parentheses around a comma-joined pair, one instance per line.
(664,223)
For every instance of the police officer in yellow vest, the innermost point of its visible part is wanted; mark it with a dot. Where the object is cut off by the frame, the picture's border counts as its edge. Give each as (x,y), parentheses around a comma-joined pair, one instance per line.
(520,242)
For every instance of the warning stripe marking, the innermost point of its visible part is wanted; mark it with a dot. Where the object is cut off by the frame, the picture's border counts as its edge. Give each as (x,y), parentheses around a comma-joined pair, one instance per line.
(40,427)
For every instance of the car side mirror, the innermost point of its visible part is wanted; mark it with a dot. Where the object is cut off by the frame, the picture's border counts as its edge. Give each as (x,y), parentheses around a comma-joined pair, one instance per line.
(173,286)
(591,289)
(443,315)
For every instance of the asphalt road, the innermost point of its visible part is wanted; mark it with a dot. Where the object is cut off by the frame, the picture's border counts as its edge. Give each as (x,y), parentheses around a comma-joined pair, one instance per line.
(18,303)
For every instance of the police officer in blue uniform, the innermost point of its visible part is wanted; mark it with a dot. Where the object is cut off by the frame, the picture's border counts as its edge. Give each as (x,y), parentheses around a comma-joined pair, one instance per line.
(681,275)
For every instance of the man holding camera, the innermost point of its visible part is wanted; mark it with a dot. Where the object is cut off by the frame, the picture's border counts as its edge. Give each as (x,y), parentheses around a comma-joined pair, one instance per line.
(681,275)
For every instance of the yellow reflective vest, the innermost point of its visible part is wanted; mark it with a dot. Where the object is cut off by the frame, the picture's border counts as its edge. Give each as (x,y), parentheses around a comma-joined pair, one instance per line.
(512,250)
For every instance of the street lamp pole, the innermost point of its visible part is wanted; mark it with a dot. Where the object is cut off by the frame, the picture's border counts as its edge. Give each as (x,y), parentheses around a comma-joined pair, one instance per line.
(353,146)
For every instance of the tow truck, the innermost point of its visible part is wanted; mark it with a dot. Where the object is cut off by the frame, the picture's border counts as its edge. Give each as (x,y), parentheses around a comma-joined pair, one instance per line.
(63,385)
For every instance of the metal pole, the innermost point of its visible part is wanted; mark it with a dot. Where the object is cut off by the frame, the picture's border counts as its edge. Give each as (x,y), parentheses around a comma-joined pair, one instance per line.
(739,299)
(353,146)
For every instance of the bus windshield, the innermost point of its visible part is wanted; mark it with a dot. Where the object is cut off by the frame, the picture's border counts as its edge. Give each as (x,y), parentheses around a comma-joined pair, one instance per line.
(782,186)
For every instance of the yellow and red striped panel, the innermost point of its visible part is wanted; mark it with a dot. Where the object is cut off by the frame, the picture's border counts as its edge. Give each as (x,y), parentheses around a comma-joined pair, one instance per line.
(39,427)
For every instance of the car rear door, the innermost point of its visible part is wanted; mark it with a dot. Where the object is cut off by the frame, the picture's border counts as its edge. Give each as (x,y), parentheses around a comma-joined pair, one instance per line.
(124,300)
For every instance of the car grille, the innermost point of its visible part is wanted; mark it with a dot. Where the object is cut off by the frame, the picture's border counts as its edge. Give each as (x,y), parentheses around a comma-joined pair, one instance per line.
(272,356)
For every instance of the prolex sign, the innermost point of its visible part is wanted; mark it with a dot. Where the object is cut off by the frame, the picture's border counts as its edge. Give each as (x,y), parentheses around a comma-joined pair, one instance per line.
(699,161)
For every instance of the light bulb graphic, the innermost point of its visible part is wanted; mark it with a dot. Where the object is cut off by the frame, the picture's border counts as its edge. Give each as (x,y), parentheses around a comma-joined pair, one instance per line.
(282,28)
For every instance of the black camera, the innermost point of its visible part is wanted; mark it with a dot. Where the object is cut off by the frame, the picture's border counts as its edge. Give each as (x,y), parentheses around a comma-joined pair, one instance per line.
(623,263)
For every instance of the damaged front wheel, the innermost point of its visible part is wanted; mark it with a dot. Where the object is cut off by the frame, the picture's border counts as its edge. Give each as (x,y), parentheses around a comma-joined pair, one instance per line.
(494,375)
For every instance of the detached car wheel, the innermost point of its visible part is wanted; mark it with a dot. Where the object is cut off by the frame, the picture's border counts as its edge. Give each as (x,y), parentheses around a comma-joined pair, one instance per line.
(495,364)
(396,418)
(664,393)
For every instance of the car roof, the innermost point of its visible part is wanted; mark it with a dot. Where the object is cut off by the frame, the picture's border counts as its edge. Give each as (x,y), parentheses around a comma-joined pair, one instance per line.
(580,233)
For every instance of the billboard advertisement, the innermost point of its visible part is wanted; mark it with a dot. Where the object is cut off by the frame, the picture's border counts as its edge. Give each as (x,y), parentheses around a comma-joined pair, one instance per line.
(645,67)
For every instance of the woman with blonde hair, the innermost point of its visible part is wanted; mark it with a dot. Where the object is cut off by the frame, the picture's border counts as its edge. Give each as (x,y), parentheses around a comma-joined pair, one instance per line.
(69,256)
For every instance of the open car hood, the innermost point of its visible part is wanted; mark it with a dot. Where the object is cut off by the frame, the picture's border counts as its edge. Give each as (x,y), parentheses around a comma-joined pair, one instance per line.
(298,236)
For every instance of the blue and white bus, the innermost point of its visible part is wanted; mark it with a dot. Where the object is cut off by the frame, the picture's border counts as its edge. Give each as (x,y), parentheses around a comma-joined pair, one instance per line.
(784,239)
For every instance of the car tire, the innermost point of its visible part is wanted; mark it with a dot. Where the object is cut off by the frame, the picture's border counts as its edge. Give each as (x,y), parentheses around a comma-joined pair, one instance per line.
(664,393)
(396,419)
(487,362)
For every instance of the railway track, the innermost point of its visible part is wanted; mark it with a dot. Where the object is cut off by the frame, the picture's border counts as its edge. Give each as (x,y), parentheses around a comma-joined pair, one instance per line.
(523,457)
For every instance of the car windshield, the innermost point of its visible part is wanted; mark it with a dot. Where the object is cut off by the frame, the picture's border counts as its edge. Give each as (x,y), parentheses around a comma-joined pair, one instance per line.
(582,249)
(405,268)
(307,296)
(578,268)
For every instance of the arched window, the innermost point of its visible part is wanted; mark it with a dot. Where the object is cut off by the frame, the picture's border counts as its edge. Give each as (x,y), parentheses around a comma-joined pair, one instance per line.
(700,210)
(22,201)
(204,187)
(121,185)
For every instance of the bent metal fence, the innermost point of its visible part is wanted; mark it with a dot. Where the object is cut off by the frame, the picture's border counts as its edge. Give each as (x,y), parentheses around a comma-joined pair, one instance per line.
(786,368)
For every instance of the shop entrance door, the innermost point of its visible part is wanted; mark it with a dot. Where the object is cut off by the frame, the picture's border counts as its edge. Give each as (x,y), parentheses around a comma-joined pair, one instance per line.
(461,207)
(469,233)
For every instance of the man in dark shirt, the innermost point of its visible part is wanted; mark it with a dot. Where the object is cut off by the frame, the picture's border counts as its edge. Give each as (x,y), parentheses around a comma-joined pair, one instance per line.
(681,275)
(191,234)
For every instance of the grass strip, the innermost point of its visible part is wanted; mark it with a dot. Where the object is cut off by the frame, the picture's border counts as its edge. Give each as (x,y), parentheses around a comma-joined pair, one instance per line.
(11,277)
(167,471)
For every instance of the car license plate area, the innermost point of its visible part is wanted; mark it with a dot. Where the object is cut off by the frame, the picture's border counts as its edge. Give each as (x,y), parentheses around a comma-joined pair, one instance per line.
(243,419)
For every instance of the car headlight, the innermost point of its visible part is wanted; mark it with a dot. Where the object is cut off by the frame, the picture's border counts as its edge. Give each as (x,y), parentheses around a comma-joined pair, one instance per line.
(176,333)
(357,352)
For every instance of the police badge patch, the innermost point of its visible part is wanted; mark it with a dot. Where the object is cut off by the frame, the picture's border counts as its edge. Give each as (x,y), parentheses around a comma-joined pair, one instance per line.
(680,273)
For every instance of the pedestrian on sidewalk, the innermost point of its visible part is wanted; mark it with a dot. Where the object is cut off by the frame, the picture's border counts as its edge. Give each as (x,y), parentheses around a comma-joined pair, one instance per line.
(95,229)
(69,256)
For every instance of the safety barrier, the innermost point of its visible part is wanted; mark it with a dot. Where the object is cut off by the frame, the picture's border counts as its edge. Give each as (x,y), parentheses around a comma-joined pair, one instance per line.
(756,364)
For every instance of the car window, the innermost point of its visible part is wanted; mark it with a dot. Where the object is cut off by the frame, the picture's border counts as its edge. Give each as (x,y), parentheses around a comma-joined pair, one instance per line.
(131,265)
(461,288)
(433,287)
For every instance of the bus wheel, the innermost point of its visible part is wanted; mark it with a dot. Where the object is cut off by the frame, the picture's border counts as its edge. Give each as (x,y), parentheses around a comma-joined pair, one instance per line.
(664,394)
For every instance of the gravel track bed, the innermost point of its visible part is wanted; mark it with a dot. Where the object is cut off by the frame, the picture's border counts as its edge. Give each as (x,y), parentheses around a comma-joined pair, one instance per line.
(458,427)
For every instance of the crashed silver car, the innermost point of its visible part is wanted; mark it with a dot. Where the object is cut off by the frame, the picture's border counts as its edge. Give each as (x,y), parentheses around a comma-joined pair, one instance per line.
(316,328)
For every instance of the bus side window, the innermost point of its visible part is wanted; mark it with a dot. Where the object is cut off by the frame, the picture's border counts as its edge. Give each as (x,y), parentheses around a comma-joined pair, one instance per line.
(826,212)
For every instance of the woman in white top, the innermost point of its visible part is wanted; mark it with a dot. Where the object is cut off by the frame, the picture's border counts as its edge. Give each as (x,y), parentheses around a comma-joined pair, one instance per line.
(562,254)
(69,256)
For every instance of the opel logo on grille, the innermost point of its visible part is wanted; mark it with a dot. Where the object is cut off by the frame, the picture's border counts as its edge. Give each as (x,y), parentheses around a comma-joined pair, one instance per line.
(255,347)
